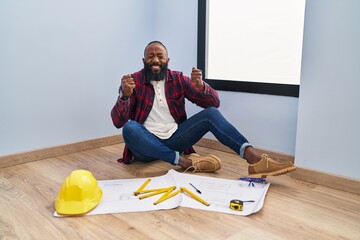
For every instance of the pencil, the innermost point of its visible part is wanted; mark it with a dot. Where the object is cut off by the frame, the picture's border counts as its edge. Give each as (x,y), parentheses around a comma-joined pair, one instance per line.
(197,198)
(170,189)
(167,197)
(149,190)
(153,193)
(142,186)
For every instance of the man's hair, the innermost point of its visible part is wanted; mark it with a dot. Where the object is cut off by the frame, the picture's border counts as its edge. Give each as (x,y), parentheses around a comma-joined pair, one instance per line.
(155,42)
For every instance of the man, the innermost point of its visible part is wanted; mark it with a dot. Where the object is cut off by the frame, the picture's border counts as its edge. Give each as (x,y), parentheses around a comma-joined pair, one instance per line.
(151,110)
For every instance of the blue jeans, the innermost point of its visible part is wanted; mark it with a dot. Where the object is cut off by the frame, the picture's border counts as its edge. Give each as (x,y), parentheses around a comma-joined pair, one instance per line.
(145,146)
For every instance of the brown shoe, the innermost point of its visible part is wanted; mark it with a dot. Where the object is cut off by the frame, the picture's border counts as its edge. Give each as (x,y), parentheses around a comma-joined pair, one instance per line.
(269,167)
(210,163)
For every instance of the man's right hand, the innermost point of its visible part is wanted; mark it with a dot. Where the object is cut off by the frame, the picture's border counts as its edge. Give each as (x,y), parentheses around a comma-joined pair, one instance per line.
(127,85)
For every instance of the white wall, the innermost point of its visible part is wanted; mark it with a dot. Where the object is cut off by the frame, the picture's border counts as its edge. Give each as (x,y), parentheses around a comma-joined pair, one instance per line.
(60,67)
(328,136)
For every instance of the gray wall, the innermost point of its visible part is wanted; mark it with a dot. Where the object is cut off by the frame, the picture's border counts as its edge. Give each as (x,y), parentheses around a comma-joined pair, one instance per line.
(61,63)
(328,133)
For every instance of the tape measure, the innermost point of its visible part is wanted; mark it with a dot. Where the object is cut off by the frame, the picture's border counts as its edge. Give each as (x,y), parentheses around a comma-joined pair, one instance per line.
(236,205)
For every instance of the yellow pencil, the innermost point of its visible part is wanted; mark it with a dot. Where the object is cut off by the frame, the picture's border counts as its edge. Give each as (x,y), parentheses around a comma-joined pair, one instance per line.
(167,197)
(197,198)
(170,189)
(142,186)
(153,193)
(150,190)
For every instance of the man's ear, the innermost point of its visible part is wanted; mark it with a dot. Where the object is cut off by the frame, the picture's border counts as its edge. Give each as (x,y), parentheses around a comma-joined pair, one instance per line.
(143,60)
(168,60)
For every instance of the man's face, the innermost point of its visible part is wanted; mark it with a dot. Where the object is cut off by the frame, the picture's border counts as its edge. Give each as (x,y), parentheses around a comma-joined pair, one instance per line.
(155,62)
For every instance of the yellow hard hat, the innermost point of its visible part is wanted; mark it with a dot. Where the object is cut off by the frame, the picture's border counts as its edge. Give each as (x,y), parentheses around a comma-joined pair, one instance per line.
(79,193)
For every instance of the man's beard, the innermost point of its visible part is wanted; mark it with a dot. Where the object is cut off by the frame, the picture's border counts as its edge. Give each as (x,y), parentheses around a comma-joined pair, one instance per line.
(150,75)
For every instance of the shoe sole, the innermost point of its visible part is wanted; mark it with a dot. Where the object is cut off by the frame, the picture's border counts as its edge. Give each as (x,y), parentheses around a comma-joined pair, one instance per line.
(274,173)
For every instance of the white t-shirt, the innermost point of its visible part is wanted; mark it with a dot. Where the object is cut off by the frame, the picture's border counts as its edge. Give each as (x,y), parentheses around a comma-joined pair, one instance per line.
(160,122)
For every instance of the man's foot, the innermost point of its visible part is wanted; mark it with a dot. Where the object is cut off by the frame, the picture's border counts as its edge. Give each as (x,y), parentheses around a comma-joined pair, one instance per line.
(210,163)
(269,167)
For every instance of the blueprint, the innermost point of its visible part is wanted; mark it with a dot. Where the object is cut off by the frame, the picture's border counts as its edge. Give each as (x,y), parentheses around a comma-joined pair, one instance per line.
(118,195)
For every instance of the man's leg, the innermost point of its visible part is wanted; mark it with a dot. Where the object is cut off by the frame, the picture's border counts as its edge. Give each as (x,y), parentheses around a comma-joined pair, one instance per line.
(208,120)
(211,120)
(145,146)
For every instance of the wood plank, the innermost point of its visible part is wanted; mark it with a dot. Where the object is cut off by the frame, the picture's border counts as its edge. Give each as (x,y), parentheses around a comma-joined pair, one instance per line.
(293,209)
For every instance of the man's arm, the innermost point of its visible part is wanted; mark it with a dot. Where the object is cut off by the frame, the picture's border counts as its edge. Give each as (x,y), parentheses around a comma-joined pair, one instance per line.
(120,113)
(199,92)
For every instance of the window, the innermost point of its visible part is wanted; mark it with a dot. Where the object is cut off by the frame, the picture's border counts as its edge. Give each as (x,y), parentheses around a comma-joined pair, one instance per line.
(251,45)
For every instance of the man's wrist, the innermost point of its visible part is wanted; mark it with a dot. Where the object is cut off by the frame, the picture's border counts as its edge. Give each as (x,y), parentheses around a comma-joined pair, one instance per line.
(123,97)
(201,87)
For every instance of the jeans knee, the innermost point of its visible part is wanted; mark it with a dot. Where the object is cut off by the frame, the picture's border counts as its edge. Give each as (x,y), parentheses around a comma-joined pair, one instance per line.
(212,111)
(130,127)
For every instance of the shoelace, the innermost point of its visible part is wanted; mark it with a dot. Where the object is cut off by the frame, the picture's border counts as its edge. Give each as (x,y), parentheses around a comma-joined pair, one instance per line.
(189,168)
(194,166)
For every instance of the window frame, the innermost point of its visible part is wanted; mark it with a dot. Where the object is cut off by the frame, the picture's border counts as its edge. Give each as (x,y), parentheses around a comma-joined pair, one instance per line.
(230,85)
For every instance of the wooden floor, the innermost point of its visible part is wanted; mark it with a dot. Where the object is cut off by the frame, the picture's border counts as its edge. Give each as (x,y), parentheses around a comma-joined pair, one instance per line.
(293,209)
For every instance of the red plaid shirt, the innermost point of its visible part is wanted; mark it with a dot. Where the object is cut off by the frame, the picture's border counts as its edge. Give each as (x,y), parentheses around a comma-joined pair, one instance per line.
(177,88)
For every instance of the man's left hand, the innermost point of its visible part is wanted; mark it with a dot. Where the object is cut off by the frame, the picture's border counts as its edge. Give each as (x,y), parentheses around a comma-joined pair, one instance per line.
(196,79)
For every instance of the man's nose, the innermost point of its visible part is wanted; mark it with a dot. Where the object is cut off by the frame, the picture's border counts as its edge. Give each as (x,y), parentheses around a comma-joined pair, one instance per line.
(155,60)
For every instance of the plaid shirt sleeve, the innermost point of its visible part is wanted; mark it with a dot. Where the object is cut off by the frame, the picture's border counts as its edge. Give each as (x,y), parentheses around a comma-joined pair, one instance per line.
(120,113)
(138,106)
(205,99)
(178,87)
